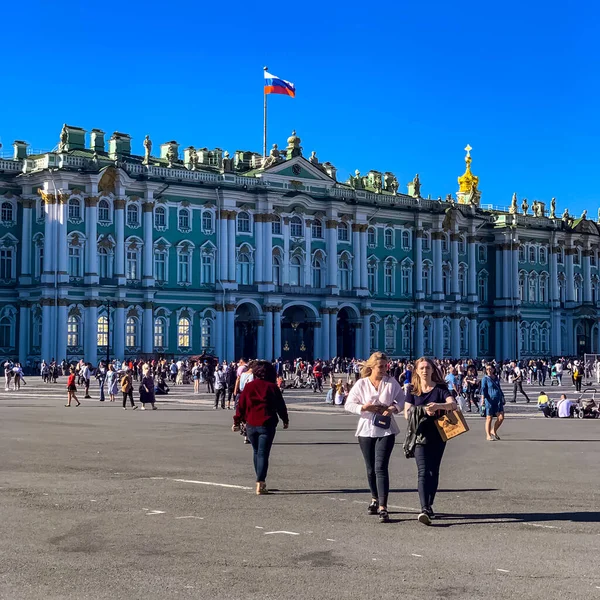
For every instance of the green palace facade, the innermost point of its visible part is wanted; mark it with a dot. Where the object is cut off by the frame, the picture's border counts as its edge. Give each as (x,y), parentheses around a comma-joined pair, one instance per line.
(190,251)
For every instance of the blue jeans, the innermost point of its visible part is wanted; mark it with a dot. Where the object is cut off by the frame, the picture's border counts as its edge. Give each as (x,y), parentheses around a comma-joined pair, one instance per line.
(261,439)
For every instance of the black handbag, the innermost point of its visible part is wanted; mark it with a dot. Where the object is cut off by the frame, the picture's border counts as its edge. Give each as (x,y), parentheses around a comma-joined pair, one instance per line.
(382,421)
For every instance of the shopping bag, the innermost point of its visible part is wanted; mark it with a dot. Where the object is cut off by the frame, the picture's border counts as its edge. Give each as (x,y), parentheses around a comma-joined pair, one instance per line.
(451,424)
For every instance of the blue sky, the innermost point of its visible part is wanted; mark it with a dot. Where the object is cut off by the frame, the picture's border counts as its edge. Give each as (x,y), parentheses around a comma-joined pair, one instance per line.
(389,86)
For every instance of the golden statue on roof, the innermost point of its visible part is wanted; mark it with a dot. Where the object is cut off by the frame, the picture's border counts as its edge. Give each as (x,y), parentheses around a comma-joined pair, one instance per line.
(468,192)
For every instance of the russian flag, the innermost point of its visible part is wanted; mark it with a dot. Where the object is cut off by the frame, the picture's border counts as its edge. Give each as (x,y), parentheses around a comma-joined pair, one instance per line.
(275,85)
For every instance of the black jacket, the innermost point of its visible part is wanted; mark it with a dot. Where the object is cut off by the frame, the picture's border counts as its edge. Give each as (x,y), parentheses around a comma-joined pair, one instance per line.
(416,417)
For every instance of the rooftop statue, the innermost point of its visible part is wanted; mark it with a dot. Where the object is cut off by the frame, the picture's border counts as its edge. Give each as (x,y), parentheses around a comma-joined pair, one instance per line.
(513,205)
(147,149)
(357,181)
(273,158)
(64,138)
(227,163)
(390,183)
(417,186)
(553,208)
(313,158)
(537,209)
(171,156)
(584,215)
(193,158)
(524,206)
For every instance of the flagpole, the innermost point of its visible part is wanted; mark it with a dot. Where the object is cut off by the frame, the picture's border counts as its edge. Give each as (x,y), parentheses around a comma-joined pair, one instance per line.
(265,119)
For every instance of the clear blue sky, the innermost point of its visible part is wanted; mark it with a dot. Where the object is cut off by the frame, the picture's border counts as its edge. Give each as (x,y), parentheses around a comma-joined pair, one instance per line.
(399,86)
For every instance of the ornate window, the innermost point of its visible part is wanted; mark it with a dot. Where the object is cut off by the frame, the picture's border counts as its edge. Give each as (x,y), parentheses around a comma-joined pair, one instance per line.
(296,268)
(388,238)
(427,346)
(445,242)
(532,254)
(446,337)
(38,267)
(463,330)
(318,270)
(276,225)
(183,332)
(245,274)
(132,262)
(544,288)
(462,245)
(560,256)
(593,258)
(446,279)
(133,215)
(405,240)
(207,275)
(543,255)
(104,212)
(6,332)
(406,277)
(131,332)
(75,258)
(426,241)
(544,338)
(482,253)
(389,266)
(160,218)
(532,287)
(74,207)
(390,335)
(523,337)
(578,287)
(7,212)
(522,278)
(342,231)
(207,222)
(73,331)
(160,332)
(184,220)
(277,269)
(296,227)
(102,329)
(372,276)
(561,287)
(482,286)
(577,256)
(406,337)
(521,254)
(105,262)
(344,273)
(595,289)
(426,278)
(7,264)
(372,237)
(534,339)
(373,336)
(462,280)
(317,229)
(160,265)
(243,222)
(206,333)
(484,331)
(184,263)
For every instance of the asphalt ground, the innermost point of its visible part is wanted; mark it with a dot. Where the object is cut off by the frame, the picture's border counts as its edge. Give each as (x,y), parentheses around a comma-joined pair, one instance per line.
(97,502)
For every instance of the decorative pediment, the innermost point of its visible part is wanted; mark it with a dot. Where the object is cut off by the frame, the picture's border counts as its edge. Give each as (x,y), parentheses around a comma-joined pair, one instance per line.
(246,206)
(296,168)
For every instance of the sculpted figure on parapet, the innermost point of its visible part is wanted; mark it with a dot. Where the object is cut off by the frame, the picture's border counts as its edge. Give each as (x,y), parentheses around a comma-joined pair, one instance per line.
(147,149)
(513,205)
(524,206)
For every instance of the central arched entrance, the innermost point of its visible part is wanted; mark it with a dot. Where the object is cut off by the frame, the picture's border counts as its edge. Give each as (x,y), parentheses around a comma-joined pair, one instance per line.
(346,333)
(246,331)
(297,333)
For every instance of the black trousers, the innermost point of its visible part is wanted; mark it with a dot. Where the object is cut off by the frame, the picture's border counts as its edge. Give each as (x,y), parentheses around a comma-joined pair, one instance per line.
(578,381)
(518,385)
(429,458)
(376,452)
(130,395)
(220,394)
(230,394)
(210,383)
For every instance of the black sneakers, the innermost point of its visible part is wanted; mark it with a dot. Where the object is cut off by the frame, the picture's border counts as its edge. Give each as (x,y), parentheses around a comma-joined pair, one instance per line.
(384,517)
(372,509)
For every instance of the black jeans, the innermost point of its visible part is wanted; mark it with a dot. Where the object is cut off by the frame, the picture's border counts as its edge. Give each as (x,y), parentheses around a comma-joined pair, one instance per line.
(261,439)
(130,395)
(210,384)
(220,394)
(518,385)
(578,381)
(376,452)
(429,459)
(230,394)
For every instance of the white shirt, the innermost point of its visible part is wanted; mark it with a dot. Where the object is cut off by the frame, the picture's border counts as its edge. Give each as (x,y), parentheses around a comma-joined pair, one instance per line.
(363,392)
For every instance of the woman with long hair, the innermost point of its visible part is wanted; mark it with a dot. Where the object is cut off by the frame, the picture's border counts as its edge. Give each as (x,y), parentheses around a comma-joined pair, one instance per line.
(71,389)
(429,395)
(112,382)
(376,395)
(260,407)
(492,398)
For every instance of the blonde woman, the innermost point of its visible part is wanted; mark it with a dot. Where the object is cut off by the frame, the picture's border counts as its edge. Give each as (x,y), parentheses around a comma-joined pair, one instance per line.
(428,395)
(340,396)
(374,395)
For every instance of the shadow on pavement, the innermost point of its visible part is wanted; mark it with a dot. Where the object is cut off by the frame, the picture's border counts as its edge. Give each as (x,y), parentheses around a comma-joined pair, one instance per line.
(366,491)
(489,518)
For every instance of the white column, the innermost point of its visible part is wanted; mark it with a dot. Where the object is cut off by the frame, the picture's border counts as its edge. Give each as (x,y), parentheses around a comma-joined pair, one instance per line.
(419,344)
(438,336)
(26,239)
(47,345)
(148,329)
(436,245)
(231,248)
(587,276)
(455,332)
(119,269)
(268,331)
(364,277)
(61,331)
(473,337)
(277,332)
(357,260)
(317,342)
(223,245)
(570,274)
(63,250)
(472,261)
(554,294)
(454,256)
(90,338)
(308,262)
(49,243)
(24,336)
(230,332)
(507,291)
(91,233)
(331,227)
(514,275)
(219,335)
(418,275)
(366,327)
(148,268)
(260,342)
(286,250)
(333,332)
(325,333)
(268,235)
(499,290)
(259,258)
(118,336)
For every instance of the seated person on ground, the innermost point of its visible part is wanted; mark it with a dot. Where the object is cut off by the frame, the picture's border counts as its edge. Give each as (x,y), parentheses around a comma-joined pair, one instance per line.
(565,407)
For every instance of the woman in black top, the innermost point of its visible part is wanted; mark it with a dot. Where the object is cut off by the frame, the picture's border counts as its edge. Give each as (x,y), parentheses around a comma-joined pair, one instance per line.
(428,391)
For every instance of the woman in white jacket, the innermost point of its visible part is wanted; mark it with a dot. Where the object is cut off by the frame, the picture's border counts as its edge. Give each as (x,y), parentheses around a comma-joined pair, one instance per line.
(374,396)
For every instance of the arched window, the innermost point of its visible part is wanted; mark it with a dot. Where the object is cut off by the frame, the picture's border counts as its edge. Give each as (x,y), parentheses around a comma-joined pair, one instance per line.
(463,333)
(523,338)
(446,280)
(560,256)
(388,277)
(483,338)
(544,339)
(388,238)
(160,264)
(75,258)
(342,232)
(481,253)
(521,254)
(532,254)
(207,267)
(276,225)
(296,271)
(102,331)
(445,242)
(104,211)
(372,276)
(522,286)
(426,241)
(132,262)
(406,337)
(296,227)
(207,221)
(131,332)
(543,255)
(532,286)
(206,333)
(561,287)
(317,270)
(482,287)
(427,348)
(184,219)
(390,336)
(74,209)
(543,288)
(577,256)
(462,280)
(373,336)
(462,245)
(534,340)
(372,237)
(5,332)
(133,215)
(317,229)
(426,279)
(184,264)
(244,267)
(406,277)
(578,285)
(104,262)
(7,264)
(73,331)
(7,212)
(277,269)
(160,217)
(160,329)
(183,332)
(243,222)
(446,338)
(345,282)
(406,240)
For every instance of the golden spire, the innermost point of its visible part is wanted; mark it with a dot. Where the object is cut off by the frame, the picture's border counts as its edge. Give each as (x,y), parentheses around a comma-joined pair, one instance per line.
(468,182)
